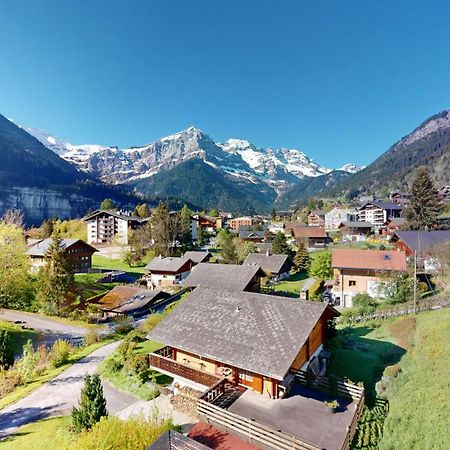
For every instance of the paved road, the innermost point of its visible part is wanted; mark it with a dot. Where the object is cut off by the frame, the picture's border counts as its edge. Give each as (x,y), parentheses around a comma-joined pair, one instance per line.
(58,396)
(51,329)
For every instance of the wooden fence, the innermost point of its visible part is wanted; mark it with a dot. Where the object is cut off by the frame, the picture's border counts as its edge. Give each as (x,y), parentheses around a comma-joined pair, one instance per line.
(250,429)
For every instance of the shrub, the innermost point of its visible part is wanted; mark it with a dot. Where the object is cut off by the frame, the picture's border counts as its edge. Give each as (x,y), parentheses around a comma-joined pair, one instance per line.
(123,325)
(113,433)
(26,365)
(91,337)
(138,365)
(9,380)
(60,352)
(136,336)
(364,303)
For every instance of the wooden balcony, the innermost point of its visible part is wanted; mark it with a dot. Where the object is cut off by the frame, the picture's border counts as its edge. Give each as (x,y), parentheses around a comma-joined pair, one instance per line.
(162,360)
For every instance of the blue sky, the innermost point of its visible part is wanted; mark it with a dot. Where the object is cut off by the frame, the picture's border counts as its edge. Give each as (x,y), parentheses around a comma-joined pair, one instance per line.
(341,80)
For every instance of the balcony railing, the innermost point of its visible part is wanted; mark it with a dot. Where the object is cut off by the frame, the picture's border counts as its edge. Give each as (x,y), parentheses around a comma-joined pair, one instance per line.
(162,360)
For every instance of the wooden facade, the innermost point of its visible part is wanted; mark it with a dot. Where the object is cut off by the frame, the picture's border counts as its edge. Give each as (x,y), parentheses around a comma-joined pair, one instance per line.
(200,369)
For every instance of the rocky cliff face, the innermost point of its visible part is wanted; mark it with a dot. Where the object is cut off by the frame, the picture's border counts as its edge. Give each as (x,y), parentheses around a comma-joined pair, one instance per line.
(38,204)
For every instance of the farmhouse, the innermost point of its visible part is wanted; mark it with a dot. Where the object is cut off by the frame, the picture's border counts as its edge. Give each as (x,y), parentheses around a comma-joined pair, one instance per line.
(251,235)
(167,271)
(225,276)
(377,213)
(354,231)
(105,226)
(78,253)
(313,237)
(360,271)
(129,300)
(275,266)
(254,340)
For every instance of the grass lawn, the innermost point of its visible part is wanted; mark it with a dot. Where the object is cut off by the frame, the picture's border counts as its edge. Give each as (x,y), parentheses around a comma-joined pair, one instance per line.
(125,382)
(22,391)
(43,435)
(88,286)
(417,399)
(103,262)
(293,284)
(17,335)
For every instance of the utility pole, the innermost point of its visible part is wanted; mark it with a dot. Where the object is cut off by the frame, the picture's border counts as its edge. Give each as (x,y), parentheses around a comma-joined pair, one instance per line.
(415,281)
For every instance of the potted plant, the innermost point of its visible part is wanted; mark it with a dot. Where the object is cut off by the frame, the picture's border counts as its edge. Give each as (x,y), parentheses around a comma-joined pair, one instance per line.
(331,405)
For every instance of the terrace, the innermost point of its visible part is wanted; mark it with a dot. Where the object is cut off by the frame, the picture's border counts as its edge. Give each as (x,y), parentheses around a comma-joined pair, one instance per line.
(300,421)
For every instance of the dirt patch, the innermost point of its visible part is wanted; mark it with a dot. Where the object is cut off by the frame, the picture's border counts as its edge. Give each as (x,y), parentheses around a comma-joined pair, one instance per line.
(403,331)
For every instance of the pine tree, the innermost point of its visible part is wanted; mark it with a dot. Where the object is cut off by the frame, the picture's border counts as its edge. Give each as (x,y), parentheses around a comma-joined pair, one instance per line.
(229,252)
(302,260)
(92,404)
(279,245)
(56,283)
(424,207)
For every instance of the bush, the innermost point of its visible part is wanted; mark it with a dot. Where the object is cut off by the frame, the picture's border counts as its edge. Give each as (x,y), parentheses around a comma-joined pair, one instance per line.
(26,365)
(60,352)
(9,380)
(91,337)
(364,303)
(136,336)
(137,365)
(123,325)
(112,433)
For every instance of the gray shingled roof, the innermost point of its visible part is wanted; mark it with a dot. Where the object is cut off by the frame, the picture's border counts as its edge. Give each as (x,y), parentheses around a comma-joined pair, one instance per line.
(41,248)
(172,440)
(245,233)
(383,205)
(270,264)
(221,276)
(197,256)
(262,247)
(356,224)
(255,332)
(420,241)
(169,264)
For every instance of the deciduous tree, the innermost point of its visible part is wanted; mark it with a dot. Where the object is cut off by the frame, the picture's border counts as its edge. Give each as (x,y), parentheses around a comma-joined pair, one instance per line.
(321,266)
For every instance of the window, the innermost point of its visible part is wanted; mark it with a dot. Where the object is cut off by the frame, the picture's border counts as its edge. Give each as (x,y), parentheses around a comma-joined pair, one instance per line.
(352,283)
(245,376)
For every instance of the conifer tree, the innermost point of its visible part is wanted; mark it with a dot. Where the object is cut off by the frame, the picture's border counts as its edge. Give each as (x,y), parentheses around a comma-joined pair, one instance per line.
(92,404)
(302,260)
(56,283)
(229,252)
(424,207)
(185,224)
(279,245)
(161,229)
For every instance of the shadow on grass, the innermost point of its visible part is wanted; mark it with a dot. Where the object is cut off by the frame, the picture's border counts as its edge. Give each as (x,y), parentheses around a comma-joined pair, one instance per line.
(362,359)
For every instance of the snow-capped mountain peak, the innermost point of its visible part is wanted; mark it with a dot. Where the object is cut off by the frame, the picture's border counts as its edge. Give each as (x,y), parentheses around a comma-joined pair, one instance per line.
(351,168)
(276,167)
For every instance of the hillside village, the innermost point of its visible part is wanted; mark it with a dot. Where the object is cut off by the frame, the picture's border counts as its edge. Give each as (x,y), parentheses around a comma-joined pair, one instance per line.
(293,330)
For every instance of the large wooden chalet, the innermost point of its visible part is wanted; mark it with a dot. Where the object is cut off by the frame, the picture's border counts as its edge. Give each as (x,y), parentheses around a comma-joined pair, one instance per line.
(253,340)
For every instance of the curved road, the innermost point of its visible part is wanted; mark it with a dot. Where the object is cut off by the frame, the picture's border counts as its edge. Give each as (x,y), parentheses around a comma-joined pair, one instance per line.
(58,396)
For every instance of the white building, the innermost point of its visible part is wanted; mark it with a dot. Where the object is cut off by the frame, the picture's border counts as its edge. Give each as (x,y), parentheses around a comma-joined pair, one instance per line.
(377,213)
(338,215)
(104,227)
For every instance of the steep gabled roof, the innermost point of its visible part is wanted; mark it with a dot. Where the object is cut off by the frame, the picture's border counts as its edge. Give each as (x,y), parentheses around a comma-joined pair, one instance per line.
(115,214)
(380,260)
(270,264)
(41,248)
(172,440)
(221,276)
(310,232)
(255,332)
(355,224)
(171,264)
(421,240)
(197,256)
(383,205)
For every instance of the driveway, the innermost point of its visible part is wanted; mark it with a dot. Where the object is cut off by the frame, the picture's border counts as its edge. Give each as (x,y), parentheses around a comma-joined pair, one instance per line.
(58,396)
(51,329)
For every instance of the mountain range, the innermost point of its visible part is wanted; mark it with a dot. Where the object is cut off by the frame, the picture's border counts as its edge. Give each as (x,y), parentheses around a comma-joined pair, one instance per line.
(189,166)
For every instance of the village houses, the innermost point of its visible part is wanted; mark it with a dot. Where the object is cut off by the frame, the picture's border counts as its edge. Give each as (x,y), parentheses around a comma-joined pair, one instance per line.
(377,212)
(336,216)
